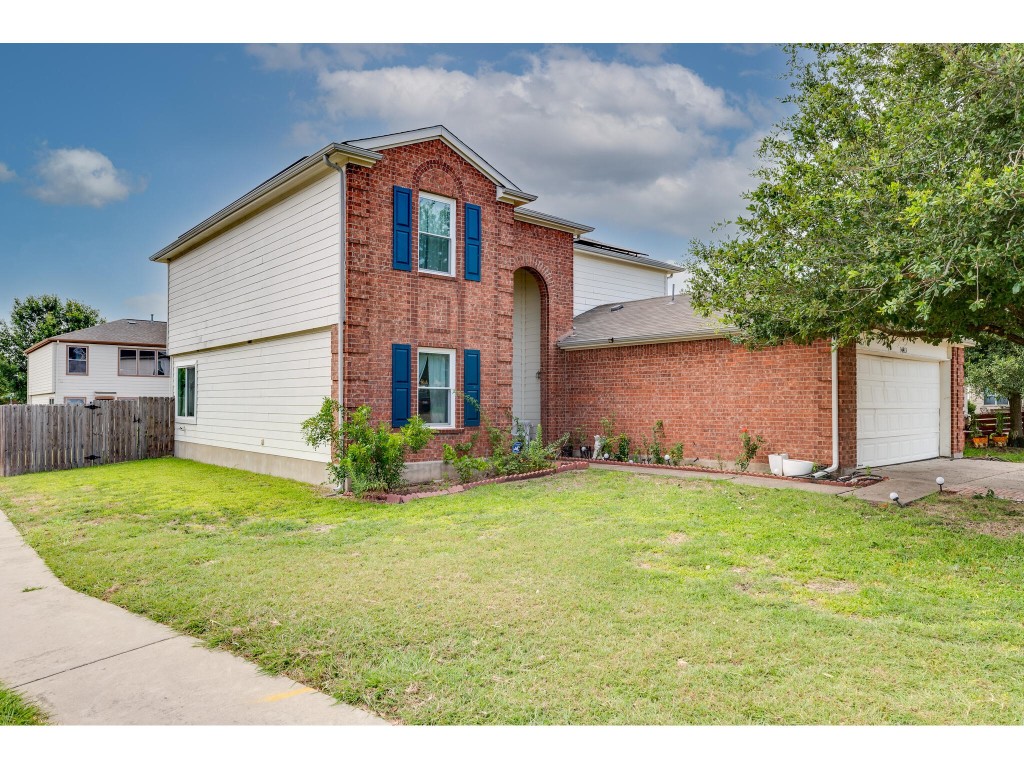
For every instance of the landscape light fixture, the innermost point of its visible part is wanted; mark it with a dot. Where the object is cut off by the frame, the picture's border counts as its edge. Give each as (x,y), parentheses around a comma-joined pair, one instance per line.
(940,481)
(895,498)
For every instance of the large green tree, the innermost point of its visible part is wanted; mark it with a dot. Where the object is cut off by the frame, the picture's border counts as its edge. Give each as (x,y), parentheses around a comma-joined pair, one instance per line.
(889,202)
(33,319)
(997,365)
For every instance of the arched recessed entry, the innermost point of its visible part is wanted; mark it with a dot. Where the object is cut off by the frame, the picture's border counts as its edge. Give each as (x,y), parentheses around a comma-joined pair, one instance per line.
(526,348)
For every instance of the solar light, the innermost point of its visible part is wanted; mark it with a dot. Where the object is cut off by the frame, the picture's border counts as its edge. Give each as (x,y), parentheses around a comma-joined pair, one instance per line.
(895,498)
(940,481)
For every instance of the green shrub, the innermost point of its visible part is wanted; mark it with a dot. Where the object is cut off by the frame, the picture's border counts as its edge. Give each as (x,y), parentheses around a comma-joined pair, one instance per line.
(532,454)
(676,454)
(460,457)
(372,458)
(751,445)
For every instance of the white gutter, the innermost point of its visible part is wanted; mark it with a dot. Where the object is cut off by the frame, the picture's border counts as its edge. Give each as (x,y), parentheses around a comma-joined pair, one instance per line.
(835,414)
(665,338)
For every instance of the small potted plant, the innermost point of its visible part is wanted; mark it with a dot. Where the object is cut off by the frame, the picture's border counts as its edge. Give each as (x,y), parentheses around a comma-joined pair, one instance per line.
(999,437)
(979,440)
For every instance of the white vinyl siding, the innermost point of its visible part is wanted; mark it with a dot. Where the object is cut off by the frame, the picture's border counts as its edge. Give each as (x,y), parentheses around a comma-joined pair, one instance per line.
(103,377)
(273,274)
(41,377)
(526,348)
(598,281)
(254,397)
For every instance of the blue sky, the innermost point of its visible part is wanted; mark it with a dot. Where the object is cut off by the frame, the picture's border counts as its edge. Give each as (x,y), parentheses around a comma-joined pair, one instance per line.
(109,152)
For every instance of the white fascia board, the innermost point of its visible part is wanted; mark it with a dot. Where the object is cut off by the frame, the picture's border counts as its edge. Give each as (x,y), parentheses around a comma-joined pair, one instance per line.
(622,258)
(506,189)
(551,222)
(283,182)
(570,345)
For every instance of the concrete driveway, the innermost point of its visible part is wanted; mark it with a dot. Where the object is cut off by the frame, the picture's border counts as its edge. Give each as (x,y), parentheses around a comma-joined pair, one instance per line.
(916,479)
(911,481)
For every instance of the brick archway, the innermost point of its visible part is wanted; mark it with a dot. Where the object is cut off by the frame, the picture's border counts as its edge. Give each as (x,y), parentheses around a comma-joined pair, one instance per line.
(543,342)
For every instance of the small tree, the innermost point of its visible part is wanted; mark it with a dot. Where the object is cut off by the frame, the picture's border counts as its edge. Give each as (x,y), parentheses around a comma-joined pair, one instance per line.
(371,457)
(998,366)
(33,319)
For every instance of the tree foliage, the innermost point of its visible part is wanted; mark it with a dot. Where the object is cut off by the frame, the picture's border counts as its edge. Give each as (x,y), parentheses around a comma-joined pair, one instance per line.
(997,366)
(889,201)
(33,319)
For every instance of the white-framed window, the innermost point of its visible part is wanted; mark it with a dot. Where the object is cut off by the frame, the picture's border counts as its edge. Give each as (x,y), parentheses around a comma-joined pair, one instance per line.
(435,386)
(994,399)
(185,393)
(74,401)
(78,361)
(142,362)
(437,234)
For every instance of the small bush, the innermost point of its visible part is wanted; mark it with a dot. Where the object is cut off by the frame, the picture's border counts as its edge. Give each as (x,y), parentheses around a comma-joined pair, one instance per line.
(751,445)
(460,457)
(676,454)
(372,458)
(516,453)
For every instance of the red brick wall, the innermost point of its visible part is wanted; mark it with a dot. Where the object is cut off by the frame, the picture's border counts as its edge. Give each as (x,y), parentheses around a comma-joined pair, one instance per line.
(956,389)
(387,306)
(706,391)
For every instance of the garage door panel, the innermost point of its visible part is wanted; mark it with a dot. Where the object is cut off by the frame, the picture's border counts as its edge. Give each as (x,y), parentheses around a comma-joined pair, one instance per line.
(898,403)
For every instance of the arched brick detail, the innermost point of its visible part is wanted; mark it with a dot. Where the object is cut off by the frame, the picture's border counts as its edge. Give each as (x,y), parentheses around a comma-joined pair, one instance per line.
(440,178)
(548,350)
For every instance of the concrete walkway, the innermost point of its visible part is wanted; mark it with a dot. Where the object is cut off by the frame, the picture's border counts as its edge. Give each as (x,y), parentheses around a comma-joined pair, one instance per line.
(87,662)
(911,481)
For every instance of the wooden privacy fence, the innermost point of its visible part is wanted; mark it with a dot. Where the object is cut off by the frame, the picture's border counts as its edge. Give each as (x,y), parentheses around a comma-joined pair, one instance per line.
(37,438)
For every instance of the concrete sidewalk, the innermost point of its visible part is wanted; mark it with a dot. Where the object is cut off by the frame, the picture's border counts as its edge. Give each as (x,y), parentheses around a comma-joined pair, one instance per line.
(87,662)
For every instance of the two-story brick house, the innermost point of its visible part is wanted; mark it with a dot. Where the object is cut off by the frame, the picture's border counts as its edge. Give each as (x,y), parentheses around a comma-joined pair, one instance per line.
(400,270)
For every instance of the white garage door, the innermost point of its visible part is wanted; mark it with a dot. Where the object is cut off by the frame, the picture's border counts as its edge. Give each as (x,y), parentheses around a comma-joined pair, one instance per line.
(897,410)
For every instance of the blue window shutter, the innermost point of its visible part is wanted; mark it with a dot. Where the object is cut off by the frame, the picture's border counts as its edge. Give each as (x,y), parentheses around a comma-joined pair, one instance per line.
(472,242)
(471,375)
(402,231)
(401,384)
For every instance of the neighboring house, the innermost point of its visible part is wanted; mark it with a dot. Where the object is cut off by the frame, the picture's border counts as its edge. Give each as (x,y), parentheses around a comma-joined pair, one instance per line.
(401,270)
(120,360)
(986,402)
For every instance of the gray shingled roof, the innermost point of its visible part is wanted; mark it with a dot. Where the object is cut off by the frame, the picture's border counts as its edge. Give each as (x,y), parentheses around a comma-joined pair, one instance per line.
(150,333)
(646,321)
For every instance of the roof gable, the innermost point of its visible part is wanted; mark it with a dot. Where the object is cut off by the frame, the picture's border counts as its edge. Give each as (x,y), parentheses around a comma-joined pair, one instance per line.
(146,333)
(508,192)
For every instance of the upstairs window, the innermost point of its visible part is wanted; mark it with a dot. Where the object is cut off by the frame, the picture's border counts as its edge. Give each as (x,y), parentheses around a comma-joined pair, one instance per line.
(436,227)
(142,362)
(78,361)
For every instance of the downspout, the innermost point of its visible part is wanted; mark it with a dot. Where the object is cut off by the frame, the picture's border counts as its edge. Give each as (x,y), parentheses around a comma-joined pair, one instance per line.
(343,243)
(835,414)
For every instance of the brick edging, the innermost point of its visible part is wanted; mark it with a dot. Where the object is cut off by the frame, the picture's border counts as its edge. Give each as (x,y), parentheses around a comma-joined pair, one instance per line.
(402,498)
(694,468)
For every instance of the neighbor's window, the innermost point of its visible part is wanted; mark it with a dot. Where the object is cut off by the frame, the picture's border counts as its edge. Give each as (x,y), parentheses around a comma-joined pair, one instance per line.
(186,392)
(163,364)
(74,401)
(78,361)
(141,362)
(436,386)
(437,225)
(991,399)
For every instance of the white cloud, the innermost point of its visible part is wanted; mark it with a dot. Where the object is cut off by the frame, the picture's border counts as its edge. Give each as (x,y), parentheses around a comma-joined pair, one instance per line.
(645,53)
(646,147)
(293,56)
(81,177)
(6,174)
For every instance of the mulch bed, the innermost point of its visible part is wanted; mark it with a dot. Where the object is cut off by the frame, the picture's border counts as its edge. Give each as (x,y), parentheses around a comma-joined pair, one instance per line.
(860,482)
(402,498)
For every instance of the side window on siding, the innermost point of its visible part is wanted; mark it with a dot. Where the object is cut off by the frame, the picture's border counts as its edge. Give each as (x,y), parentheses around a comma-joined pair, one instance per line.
(185,395)
(78,361)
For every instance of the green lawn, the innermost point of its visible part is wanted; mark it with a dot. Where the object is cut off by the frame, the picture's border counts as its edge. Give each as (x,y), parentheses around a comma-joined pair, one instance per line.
(1006,454)
(587,597)
(16,711)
